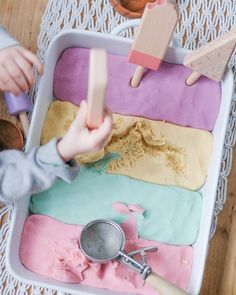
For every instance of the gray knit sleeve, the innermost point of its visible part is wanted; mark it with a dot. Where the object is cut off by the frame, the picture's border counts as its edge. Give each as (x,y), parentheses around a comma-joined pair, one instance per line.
(6,40)
(22,174)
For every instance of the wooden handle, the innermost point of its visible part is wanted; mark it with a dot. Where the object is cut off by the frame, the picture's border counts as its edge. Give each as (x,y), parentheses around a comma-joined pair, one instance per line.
(25,123)
(97,85)
(162,286)
(138,74)
(228,285)
(193,78)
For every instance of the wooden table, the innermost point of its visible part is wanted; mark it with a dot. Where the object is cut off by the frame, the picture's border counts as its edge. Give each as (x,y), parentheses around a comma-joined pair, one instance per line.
(22,18)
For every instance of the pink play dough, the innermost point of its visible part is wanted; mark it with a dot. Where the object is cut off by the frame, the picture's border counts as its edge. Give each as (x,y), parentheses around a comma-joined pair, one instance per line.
(162,94)
(50,248)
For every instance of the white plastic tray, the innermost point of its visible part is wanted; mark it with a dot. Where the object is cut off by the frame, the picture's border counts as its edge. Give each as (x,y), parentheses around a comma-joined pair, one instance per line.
(120,46)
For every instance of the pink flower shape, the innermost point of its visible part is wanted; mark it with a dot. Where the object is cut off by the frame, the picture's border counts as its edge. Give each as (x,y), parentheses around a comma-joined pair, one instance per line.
(134,212)
(127,209)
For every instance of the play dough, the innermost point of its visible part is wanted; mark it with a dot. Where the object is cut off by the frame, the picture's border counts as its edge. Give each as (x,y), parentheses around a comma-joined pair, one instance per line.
(161,95)
(171,214)
(148,150)
(51,248)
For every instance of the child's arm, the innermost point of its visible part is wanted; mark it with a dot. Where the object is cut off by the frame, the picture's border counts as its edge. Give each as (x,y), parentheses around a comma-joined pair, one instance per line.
(80,139)
(22,174)
(16,65)
(6,39)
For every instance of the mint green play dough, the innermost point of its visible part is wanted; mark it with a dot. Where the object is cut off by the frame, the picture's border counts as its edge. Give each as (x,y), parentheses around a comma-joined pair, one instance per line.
(172,215)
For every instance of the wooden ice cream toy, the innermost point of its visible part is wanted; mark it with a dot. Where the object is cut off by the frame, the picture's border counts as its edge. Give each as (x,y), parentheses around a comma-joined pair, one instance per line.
(97,85)
(211,59)
(153,37)
(19,105)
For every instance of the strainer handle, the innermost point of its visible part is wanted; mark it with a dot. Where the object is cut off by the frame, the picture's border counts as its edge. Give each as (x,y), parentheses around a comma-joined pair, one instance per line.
(162,286)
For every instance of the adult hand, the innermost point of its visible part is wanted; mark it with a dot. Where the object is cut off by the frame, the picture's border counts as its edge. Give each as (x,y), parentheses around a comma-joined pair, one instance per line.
(16,69)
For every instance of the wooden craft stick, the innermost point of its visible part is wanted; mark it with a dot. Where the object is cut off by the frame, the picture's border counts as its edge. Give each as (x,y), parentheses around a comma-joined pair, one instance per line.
(24,122)
(211,60)
(97,84)
(193,78)
(153,37)
(138,74)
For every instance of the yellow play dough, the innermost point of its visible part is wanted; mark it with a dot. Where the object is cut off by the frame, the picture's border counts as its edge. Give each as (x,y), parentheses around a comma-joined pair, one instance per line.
(57,122)
(152,151)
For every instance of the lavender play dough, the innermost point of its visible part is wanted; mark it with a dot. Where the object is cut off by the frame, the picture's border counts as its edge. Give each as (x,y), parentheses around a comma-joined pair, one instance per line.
(162,95)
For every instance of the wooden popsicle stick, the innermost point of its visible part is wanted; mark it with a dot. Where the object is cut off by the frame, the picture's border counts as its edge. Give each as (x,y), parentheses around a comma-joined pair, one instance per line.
(97,84)
(228,284)
(153,37)
(138,74)
(162,286)
(193,78)
(211,59)
(25,123)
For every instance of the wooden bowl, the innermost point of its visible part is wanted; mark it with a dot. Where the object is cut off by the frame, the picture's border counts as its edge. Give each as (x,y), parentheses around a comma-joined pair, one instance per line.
(10,136)
(130,8)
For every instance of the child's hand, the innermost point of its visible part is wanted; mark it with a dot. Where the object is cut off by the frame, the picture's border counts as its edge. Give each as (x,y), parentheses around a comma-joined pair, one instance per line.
(79,139)
(16,69)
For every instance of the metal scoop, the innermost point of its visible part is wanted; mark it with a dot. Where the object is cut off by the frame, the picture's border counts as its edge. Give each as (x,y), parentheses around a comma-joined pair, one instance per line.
(103,241)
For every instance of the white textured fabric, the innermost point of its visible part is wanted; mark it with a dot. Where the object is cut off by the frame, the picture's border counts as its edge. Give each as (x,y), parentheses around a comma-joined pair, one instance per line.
(211,18)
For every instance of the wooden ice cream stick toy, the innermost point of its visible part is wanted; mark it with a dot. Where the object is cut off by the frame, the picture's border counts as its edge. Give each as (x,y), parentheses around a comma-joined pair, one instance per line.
(97,84)
(211,59)
(153,37)
(19,105)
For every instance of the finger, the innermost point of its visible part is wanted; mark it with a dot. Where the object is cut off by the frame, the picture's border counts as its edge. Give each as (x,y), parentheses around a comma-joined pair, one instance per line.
(31,57)
(26,67)
(107,111)
(108,119)
(2,86)
(104,130)
(107,123)
(7,83)
(17,75)
(83,109)
(83,104)
(81,117)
